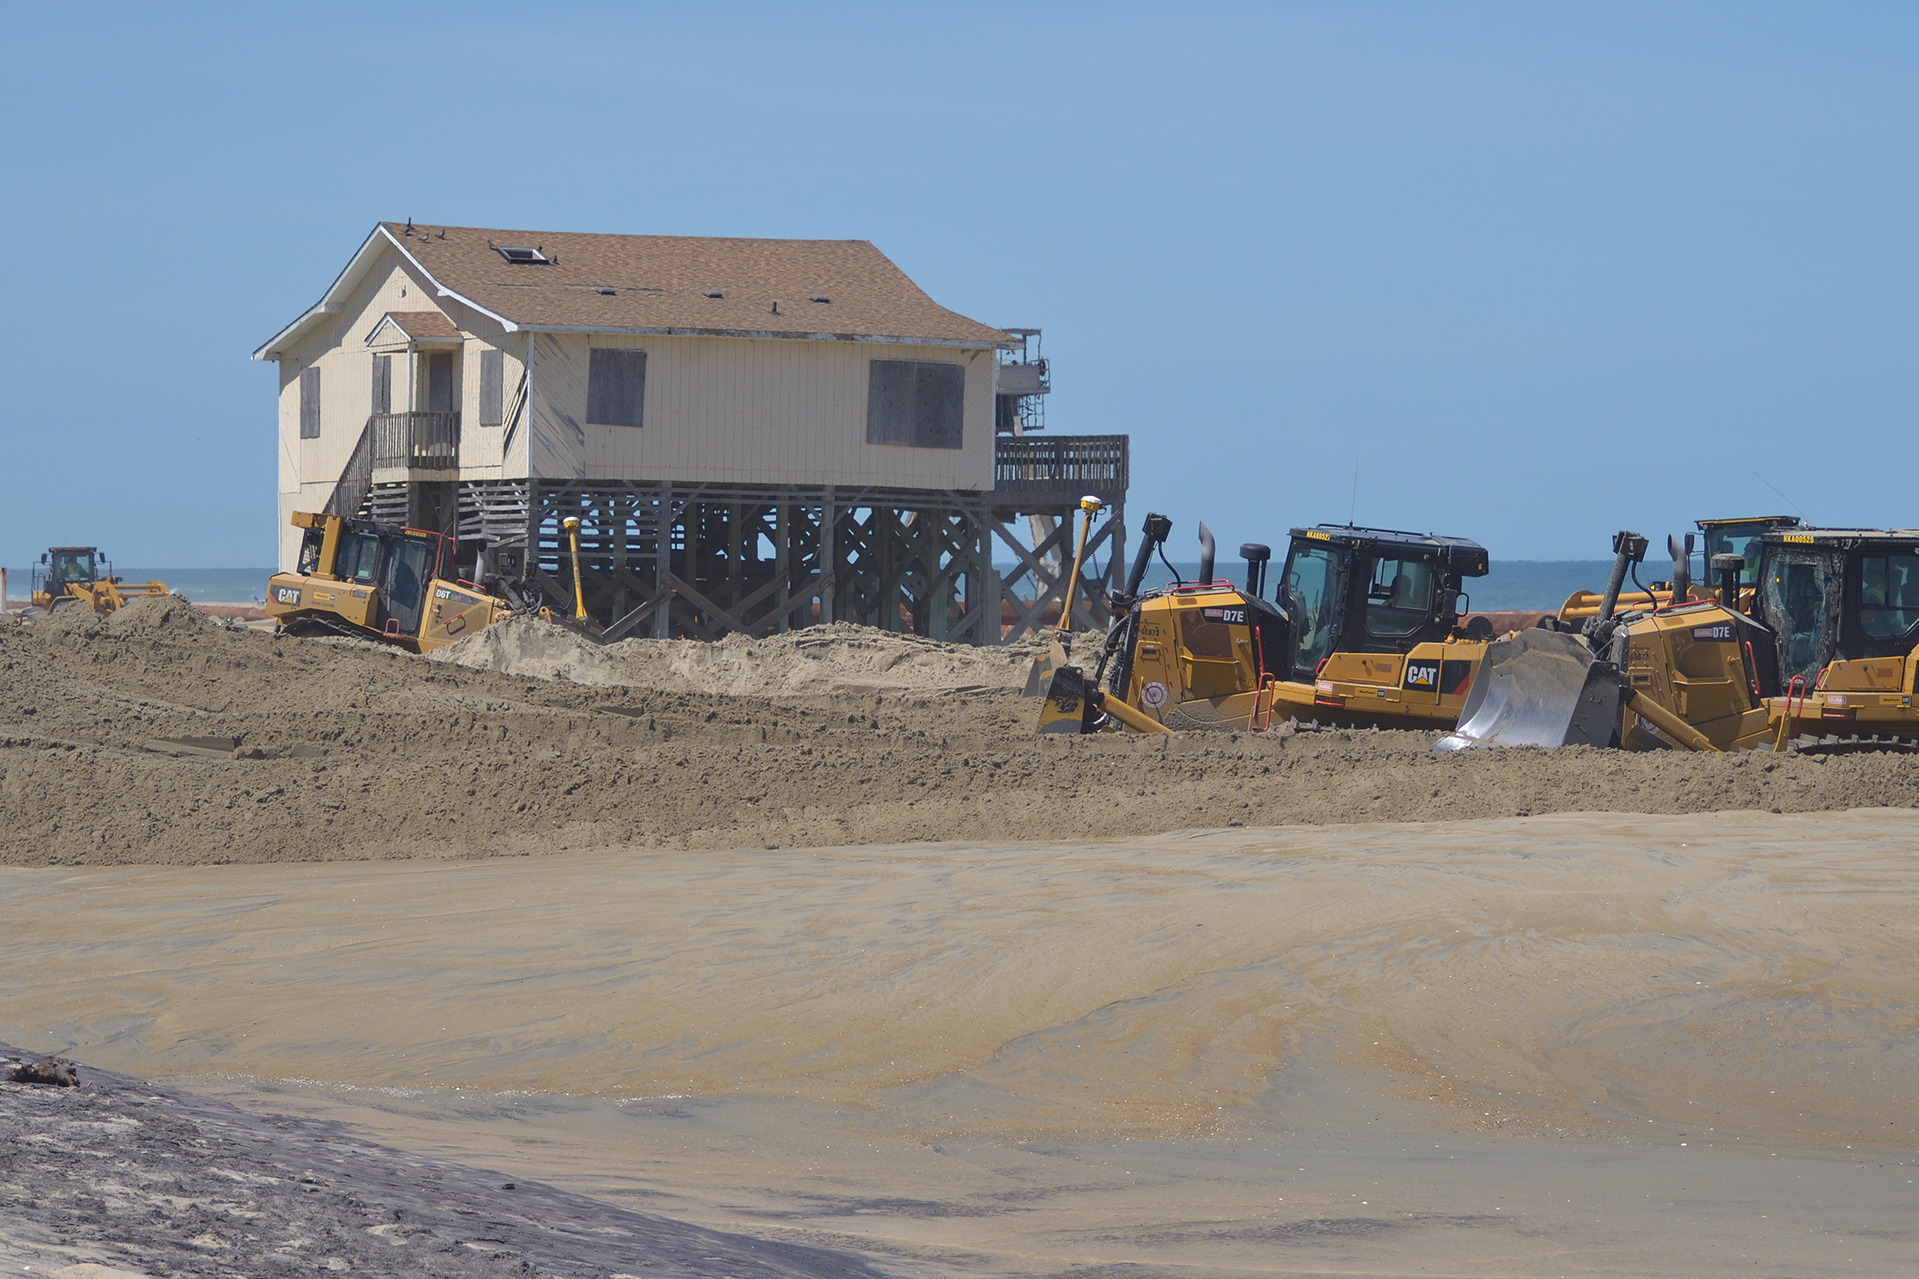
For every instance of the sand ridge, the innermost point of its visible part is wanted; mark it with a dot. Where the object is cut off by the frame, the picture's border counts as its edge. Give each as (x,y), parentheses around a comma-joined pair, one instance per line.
(114,736)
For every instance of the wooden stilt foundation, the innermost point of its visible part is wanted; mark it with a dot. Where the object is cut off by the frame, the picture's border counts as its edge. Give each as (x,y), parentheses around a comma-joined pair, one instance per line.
(704,561)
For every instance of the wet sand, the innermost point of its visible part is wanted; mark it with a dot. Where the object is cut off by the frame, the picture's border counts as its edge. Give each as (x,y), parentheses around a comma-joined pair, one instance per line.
(1580,1044)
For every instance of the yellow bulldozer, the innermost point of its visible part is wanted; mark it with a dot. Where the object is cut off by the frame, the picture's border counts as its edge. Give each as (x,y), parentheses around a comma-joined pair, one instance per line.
(81,575)
(1821,642)
(399,585)
(1363,630)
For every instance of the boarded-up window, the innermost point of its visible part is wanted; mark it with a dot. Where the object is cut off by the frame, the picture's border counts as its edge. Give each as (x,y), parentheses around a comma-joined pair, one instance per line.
(382,384)
(492,374)
(918,403)
(439,383)
(615,387)
(309,404)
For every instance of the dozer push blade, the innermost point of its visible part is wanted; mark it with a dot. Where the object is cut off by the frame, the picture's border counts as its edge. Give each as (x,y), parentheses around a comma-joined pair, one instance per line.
(1538,688)
(1067,708)
(1043,667)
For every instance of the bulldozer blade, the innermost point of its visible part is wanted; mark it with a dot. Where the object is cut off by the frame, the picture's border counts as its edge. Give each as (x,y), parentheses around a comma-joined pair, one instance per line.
(1065,709)
(1538,688)
(1043,667)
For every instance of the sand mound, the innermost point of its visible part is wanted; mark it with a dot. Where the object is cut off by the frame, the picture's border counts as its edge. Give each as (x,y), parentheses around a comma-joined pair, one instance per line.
(152,615)
(160,614)
(817,661)
(158,736)
(534,648)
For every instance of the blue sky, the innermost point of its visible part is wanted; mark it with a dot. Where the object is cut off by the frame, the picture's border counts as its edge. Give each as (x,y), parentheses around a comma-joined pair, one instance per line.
(1534,272)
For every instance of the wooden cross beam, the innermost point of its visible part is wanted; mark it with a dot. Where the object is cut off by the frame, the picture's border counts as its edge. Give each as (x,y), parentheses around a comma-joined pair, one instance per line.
(819,585)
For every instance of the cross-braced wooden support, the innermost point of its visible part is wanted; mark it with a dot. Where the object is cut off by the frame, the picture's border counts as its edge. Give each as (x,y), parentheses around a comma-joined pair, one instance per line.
(705,561)
(675,559)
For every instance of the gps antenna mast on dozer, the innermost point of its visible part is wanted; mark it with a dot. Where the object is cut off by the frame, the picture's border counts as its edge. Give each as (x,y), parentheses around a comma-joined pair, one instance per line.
(1091,505)
(572,526)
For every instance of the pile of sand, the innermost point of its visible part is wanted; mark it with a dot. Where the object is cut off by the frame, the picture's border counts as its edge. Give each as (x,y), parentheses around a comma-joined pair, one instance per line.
(817,661)
(158,736)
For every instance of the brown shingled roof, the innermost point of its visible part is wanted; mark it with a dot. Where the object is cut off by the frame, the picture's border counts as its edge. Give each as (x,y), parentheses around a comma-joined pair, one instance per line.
(660,282)
(420,325)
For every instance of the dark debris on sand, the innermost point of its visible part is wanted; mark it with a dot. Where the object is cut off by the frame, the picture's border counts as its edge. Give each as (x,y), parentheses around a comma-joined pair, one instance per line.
(118,1172)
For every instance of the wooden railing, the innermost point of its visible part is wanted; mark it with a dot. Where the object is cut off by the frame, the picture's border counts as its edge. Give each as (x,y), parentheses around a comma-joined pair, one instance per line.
(1072,464)
(419,441)
(356,480)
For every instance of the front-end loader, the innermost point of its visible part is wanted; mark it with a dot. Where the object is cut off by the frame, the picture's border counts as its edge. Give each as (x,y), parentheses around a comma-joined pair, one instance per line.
(82,575)
(1822,641)
(385,582)
(1362,630)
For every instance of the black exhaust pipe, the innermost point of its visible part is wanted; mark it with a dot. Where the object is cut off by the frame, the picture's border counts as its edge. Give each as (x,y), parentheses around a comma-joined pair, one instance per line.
(1255,556)
(1729,566)
(1681,567)
(1628,549)
(1151,535)
(1205,555)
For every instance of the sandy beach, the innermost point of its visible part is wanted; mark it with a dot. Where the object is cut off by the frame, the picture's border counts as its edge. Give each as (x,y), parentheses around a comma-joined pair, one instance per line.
(810,945)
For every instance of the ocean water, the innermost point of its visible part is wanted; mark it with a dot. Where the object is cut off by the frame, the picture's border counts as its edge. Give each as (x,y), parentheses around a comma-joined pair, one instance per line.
(1512,584)
(203,585)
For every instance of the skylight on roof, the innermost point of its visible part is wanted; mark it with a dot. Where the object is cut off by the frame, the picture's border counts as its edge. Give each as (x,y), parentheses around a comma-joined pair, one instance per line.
(713,293)
(521,254)
(819,297)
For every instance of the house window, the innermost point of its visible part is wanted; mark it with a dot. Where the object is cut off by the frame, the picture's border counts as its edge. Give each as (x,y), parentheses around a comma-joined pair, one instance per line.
(439,383)
(309,404)
(492,375)
(615,387)
(382,384)
(917,403)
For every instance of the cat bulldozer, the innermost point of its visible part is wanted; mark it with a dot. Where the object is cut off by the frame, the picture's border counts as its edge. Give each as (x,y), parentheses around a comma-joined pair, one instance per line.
(81,575)
(1363,630)
(399,585)
(1822,642)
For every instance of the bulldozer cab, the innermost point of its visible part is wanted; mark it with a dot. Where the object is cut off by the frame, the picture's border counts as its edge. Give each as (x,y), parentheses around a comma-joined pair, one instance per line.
(1838,595)
(385,568)
(1362,590)
(1742,537)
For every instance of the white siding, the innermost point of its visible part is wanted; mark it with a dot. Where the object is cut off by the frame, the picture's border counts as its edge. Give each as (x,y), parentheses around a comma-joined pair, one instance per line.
(719,410)
(750,411)
(309,468)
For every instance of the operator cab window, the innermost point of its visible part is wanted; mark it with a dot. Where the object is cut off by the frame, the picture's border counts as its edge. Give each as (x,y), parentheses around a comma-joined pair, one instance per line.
(68,567)
(408,576)
(1796,600)
(310,547)
(359,558)
(1399,600)
(1736,539)
(1309,595)
(1889,593)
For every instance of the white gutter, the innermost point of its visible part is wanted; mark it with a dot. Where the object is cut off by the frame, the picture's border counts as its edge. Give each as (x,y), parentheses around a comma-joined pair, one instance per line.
(330,303)
(445,292)
(334,300)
